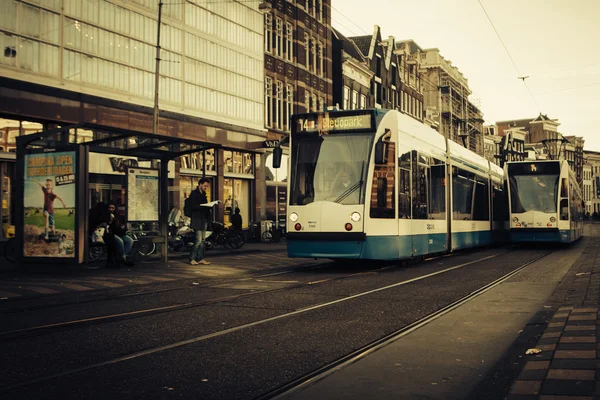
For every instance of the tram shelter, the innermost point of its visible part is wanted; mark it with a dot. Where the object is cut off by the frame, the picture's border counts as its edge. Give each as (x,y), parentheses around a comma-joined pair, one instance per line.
(53,179)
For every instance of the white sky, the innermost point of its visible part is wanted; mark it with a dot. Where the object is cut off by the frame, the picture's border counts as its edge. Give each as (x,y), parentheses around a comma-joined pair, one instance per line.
(554,42)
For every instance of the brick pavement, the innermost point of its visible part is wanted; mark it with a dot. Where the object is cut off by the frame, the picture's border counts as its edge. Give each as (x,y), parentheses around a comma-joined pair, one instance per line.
(568,366)
(41,280)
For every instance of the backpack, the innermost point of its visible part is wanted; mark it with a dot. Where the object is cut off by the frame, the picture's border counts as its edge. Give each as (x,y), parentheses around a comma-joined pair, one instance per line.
(188,206)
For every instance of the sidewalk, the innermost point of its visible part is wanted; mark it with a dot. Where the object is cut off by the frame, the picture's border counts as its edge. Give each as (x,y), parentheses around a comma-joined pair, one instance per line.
(568,362)
(217,252)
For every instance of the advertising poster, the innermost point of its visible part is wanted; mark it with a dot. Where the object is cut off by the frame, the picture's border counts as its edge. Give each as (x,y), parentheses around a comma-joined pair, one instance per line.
(142,194)
(49,205)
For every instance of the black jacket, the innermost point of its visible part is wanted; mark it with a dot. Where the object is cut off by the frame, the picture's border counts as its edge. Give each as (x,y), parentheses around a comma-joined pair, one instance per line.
(236,221)
(201,216)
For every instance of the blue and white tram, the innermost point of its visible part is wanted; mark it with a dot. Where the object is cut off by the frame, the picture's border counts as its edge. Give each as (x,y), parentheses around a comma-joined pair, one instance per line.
(374,184)
(545,202)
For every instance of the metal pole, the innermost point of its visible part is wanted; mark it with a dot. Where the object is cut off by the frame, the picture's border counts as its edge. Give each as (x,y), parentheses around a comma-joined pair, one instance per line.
(157,71)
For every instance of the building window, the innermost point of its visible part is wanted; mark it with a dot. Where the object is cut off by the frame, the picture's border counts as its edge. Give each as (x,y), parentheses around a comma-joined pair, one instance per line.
(321,104)
(289,42)
(354,100)
(311,7)
(346,98)
(288,107)
(307,49)
(319,9)
(268,102)
(320,47)
(278,36)
(279,106)
(363,101)
(268,32)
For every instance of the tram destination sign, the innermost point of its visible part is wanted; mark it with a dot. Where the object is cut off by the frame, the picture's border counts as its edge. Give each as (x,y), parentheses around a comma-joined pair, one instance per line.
(325,123)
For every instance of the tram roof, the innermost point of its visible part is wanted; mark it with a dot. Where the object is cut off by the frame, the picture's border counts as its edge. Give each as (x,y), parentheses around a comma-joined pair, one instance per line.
(111,140)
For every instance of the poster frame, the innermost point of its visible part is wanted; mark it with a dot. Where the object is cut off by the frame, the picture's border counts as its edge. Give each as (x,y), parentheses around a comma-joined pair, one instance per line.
(80,215)
(127,207)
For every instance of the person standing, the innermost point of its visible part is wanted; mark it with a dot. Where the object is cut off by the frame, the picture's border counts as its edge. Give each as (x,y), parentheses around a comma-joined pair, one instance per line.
(236,220)
(49,197)
(200,218)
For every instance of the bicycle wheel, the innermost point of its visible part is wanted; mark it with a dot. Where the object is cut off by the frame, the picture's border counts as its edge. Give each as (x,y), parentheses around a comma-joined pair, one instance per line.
(10,250)
(146,248)
(267,237)
(95,252)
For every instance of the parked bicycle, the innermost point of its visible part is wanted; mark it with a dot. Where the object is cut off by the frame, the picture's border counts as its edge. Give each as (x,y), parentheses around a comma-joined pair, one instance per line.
(274,234)
(145,247)
(221,236)
(98,249)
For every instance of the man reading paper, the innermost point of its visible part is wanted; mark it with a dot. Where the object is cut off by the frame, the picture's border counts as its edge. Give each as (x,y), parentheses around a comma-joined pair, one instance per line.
(201,217)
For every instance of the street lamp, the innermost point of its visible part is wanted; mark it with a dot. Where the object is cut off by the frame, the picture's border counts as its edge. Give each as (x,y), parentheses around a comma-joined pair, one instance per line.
(554,146)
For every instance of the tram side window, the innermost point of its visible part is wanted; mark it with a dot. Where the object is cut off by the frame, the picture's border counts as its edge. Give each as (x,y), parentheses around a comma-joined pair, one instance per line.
(462,194)
(481,205)
(564,201)
(419,170)
(437,190)
(404,200)
(384,181)
(499,203)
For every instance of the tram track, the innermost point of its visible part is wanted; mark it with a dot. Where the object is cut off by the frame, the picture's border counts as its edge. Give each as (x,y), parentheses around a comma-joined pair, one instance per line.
(103,296)
(8,336)
(14,334)
(310,378)
(306,379)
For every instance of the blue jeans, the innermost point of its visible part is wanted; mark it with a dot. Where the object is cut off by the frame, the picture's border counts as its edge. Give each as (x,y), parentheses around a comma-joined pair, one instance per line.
(123,245)
(198,249)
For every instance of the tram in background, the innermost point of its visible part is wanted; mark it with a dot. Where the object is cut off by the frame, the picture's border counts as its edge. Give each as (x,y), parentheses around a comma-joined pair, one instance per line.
(545,202)
(376,184)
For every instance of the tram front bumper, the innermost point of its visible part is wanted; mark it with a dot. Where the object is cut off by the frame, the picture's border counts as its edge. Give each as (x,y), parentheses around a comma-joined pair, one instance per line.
(335,245)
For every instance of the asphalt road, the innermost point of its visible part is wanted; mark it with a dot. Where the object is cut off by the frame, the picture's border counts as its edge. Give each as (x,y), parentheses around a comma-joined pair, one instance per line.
(244,337)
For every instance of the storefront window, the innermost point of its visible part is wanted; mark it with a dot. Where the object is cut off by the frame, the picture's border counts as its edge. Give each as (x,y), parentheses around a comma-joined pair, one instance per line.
(31,127)
(209,157)
(236,194)
(195,161)
(237,162)
(7,198)
(9,130)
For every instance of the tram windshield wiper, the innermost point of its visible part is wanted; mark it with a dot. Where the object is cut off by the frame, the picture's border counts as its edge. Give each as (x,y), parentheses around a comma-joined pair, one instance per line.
(349,191)
(353,188)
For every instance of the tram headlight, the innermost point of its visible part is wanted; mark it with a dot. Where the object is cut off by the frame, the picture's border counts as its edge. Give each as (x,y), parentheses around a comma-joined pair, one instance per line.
(515,219)
(355,216)
(293,217)
(552,219)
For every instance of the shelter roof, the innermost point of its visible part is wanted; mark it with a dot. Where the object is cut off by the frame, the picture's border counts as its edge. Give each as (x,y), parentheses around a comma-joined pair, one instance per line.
(111,140)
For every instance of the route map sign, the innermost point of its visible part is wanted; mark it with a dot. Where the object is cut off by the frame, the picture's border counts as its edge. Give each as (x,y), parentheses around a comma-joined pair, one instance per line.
(142,194)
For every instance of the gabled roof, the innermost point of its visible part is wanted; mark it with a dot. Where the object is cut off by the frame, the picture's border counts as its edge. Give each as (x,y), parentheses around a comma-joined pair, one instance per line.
(363,43)
(541,118)
(349,46)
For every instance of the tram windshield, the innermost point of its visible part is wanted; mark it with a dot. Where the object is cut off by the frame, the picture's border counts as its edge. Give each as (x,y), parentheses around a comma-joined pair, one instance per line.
(329,168)
(534,189)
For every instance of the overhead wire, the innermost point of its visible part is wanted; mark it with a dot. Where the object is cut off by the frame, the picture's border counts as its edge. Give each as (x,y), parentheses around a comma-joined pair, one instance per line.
(520,76)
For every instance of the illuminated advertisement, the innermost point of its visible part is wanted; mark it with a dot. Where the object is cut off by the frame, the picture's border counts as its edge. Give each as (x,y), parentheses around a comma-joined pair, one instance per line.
(49,205)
